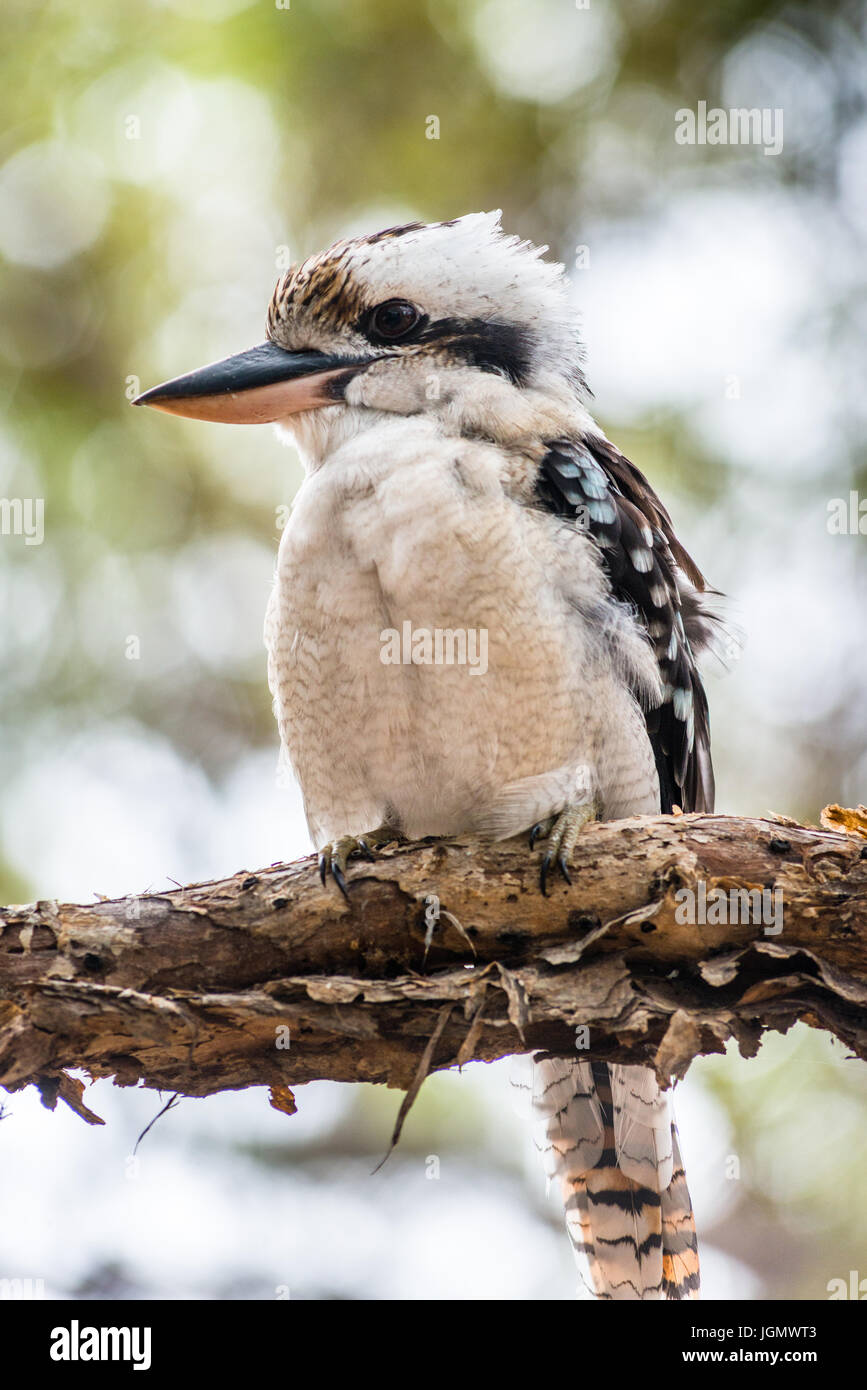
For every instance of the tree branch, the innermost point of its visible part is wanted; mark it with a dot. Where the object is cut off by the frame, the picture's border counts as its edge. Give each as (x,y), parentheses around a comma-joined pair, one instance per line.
(268,978)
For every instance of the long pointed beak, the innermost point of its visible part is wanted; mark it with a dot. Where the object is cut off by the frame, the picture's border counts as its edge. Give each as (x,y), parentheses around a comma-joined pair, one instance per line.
(264,383)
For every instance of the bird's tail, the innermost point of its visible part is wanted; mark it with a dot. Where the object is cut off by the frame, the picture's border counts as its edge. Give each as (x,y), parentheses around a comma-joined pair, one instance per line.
(607,1134)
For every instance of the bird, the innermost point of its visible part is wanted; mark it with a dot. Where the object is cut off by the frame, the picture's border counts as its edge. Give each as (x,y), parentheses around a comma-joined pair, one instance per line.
(431,377)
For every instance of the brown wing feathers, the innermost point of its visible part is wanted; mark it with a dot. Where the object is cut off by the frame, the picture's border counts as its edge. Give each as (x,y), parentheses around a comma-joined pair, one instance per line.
(649,570)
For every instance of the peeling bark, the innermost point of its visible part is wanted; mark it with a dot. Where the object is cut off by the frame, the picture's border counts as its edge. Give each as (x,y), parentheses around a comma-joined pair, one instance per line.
(200,989)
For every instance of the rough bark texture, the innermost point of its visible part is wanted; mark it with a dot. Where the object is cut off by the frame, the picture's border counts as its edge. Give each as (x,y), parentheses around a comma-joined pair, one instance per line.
(200,989)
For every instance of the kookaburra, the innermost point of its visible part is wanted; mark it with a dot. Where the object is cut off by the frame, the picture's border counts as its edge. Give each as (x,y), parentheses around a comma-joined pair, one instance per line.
(430,377)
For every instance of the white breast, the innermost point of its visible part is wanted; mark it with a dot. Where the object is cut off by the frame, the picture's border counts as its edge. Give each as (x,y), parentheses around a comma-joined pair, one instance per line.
(402,526)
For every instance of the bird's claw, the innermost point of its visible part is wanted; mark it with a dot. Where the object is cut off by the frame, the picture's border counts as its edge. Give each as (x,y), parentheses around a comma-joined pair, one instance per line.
(541,829)
(562,833)
(334,856)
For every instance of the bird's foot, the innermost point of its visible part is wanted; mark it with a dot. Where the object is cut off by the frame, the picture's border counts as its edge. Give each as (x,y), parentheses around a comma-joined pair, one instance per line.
(333,857)
(561,832)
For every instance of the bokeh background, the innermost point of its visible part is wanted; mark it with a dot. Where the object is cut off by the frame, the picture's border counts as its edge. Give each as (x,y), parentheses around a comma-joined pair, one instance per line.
(160,164)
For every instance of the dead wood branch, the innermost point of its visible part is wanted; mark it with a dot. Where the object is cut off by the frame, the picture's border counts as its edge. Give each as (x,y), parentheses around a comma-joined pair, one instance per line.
(267,978)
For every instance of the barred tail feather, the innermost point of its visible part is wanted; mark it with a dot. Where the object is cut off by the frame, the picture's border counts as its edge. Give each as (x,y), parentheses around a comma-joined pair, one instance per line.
(680,1269)
(606,1133)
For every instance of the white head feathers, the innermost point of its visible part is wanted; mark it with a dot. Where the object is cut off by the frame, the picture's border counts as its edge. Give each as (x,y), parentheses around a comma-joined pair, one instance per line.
(468,268)
(467,272)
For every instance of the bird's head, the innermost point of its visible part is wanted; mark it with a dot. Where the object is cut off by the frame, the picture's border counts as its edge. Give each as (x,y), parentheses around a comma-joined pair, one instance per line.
(451,318)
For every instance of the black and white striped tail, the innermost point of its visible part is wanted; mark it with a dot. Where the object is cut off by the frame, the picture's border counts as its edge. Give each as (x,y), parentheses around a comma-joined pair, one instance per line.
(607,1134)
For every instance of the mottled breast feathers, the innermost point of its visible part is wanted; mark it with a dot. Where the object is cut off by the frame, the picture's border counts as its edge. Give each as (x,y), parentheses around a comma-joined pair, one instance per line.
(590,481)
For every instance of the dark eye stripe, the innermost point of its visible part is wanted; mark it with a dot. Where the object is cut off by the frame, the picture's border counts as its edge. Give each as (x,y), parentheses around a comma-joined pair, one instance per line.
(487,344)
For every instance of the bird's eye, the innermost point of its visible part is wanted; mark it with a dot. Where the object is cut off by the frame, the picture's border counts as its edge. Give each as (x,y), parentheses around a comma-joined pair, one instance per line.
(393,319)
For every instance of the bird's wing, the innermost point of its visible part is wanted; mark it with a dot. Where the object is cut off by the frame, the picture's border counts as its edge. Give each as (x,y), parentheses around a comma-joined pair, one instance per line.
(590,481)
